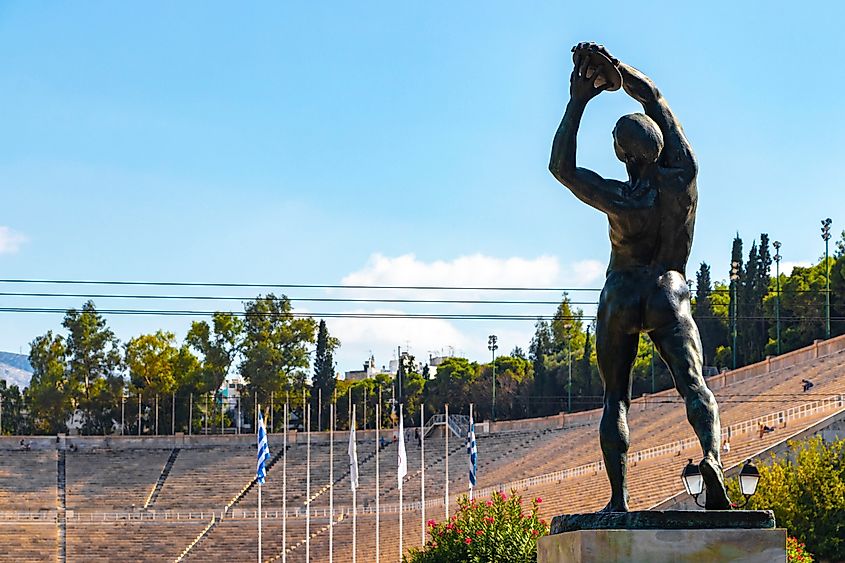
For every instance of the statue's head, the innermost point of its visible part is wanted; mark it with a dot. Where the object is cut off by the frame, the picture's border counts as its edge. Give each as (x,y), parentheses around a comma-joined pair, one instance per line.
(637,139)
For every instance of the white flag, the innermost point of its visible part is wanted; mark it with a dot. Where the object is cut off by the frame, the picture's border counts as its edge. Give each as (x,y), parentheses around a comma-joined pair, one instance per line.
(403,458)
(353,458)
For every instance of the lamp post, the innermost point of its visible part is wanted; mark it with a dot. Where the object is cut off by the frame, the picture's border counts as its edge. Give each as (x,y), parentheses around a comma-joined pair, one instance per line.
(826,237)
(777,246)
(652,367)
(567,327)
(749,477)
(734,282)
(123,397)
(492,346)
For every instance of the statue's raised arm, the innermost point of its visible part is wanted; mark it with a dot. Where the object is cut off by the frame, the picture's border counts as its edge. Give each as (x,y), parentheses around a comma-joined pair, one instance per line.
(603,194)
(677,153)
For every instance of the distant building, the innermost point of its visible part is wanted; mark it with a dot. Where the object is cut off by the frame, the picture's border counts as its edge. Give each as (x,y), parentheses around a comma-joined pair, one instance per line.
(368,372)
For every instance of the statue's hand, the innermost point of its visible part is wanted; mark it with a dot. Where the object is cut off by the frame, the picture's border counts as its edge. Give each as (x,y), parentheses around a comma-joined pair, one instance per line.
(587,80)
(583,86)
(589,45)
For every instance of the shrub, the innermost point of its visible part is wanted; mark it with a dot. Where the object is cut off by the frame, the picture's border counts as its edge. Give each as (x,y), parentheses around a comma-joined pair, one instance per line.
(498,530)
(796,552)
(806,491)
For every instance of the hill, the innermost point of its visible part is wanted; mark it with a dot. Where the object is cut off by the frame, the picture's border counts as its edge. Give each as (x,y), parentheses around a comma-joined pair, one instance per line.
(15,369)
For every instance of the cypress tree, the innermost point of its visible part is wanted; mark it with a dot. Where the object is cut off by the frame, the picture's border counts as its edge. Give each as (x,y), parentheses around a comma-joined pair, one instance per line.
(541,346)
(324,377)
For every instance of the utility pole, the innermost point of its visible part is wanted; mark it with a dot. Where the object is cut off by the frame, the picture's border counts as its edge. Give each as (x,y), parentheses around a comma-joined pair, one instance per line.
(826,237)
(777,257)
(734,282)
(652,367)
(493,346)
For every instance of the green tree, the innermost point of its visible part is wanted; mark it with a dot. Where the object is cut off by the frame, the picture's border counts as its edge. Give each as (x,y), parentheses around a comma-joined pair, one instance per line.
(12,401)
(218,346)
(713,331)
(806,491)
(324,379)
(539,349)
(274,349)
(151,359)
(94,362)
(190,384)
(451,384)
(514,384)
(802,307)
(50,392)
(566,326)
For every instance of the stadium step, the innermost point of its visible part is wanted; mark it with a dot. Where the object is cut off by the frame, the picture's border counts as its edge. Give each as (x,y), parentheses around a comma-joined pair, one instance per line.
(61,502)
(248,487)
(361,462)
(165,472)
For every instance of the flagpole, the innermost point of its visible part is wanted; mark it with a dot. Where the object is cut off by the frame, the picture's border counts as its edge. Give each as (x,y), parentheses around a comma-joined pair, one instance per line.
(468,448)
(307,480)
(378,489)
(331,482)
(285,486)
(446,427)
(263,450)
(259,495)
(354,492)
(422,470)
(400,476)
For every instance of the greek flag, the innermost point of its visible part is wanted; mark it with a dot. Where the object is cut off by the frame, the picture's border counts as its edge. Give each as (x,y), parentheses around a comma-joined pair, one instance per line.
(472,450)
(263,451)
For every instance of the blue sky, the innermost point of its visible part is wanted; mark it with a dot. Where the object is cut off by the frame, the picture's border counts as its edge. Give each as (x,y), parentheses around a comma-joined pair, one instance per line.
(286,142)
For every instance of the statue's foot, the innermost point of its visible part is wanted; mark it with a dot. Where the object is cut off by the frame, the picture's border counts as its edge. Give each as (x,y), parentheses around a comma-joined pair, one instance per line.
(714,485)
(616,506)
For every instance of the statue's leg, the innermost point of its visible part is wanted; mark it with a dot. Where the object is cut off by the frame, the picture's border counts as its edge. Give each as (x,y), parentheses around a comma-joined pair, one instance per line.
(677,340)
(616,349)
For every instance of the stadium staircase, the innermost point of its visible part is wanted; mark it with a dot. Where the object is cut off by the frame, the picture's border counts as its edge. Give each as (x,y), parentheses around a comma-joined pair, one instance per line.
(249,486)
(165,472)
(457,423)
(361,461)
(196,540)
(61,502)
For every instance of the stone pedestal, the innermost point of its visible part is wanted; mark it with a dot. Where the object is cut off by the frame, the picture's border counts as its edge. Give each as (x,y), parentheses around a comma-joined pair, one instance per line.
(672,536)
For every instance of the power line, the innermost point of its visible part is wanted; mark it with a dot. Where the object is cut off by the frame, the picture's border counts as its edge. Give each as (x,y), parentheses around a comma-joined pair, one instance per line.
(287,285)
(332,286)
(292,299)
(362,315)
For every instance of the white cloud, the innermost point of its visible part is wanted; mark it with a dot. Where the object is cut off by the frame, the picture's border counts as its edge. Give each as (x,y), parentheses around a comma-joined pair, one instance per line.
(787,266)
(10,240)
(360,336)
(475,270)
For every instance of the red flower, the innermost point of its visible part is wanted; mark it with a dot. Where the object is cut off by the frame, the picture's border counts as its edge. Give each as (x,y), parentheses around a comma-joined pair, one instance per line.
(449,526)
(533,532)
(479,532)
(489,519)
(468,541)
(489,503)
(431,523)
(539,500)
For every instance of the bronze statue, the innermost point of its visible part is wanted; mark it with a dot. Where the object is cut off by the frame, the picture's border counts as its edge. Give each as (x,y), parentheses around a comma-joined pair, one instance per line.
(651,217)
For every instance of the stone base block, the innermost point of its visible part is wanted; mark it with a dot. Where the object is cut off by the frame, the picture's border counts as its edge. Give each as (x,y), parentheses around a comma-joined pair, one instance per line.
(658,546)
